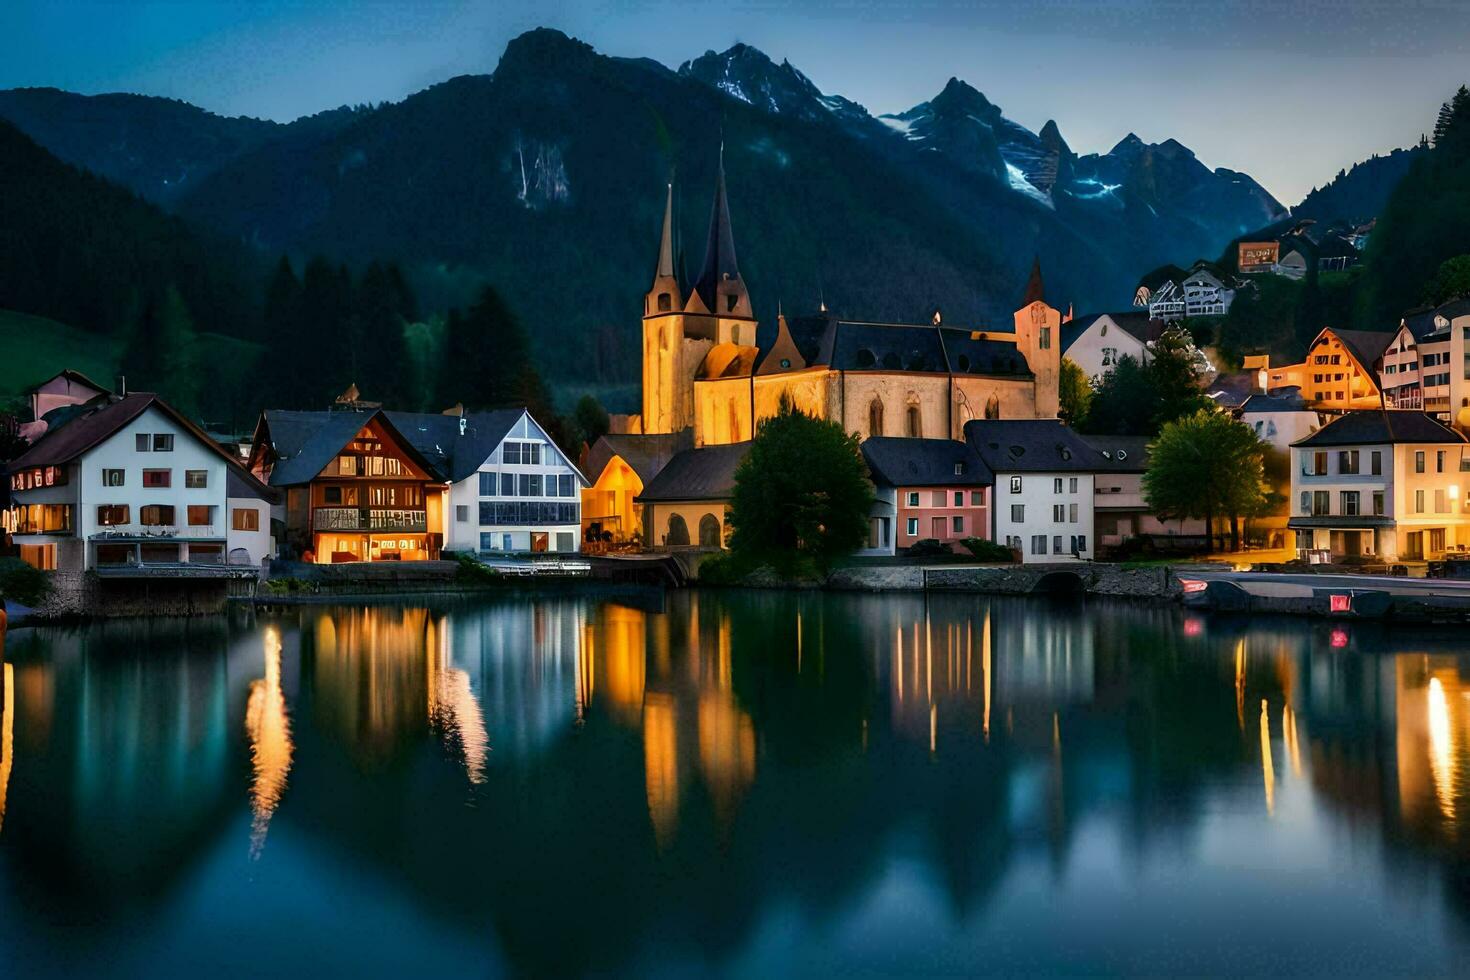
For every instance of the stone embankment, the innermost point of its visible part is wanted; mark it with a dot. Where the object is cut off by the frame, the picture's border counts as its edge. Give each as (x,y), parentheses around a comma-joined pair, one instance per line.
(1093,578)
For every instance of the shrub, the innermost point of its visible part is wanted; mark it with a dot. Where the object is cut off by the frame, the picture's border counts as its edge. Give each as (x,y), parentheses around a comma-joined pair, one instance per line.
(987,550)
(473,571)
(927,547)
(23,583)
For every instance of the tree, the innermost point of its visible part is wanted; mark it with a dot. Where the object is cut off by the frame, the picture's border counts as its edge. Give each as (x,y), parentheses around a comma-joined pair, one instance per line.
(802,494)
(487,361)
(381,307)
(1136,399)
(1206,465)
(1075,392)
(1451,281)
(590,419)
(161,354)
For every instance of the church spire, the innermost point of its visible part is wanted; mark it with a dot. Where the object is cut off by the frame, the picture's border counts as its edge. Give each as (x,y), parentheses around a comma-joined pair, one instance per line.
(719,286)
(666,293)
(1035,292)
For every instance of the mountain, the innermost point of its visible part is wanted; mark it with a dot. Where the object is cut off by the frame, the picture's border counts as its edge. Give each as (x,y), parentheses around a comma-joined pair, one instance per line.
(1360,194)
(546,178)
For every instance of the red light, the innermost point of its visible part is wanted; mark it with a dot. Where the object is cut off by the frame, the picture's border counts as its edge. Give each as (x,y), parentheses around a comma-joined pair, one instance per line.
(1339,639)
(1193,627)
(1193,585)
(1342,603)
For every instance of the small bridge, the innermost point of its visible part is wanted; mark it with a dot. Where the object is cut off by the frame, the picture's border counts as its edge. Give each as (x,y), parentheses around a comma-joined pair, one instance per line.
(670,570)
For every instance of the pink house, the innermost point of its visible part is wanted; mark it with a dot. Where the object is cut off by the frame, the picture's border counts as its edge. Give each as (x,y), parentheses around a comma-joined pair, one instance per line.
(926,488)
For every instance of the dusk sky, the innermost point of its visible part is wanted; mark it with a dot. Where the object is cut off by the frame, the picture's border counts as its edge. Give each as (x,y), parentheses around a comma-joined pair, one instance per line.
(1287,91)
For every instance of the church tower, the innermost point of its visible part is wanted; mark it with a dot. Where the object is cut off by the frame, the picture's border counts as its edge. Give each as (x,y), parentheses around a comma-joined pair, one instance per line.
(1039,339)
(663,332)
(719,294)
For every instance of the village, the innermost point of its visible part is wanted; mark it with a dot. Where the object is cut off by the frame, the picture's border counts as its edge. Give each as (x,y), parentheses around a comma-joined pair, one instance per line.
(959,429)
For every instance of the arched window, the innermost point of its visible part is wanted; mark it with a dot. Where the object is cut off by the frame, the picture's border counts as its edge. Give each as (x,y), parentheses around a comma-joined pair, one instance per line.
(709,531)
(992,407)
(735,330)
(678,533)
(664,301)
(875,417)
(915,423)
(734,421)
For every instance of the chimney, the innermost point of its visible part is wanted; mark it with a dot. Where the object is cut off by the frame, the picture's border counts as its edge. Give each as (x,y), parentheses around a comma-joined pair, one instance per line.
(121,385)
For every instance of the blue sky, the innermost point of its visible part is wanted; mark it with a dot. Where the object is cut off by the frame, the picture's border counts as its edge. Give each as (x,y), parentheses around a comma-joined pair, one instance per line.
(1287,91)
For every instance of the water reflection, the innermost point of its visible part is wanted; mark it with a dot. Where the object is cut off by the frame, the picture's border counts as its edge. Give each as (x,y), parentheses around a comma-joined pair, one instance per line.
(746,783)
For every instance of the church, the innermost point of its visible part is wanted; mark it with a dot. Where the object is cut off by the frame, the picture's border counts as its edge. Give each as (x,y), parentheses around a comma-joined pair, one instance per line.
(708,381)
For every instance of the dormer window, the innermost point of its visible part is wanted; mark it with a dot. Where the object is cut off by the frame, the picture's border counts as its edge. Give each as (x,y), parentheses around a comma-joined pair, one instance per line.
(665,302)
(959,469)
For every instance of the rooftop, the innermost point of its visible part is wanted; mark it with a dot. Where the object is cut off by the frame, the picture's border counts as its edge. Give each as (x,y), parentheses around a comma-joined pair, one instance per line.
(1372,427)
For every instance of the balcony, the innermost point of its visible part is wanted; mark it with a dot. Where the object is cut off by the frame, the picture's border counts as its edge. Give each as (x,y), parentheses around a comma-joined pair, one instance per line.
(153,532)
(387,519)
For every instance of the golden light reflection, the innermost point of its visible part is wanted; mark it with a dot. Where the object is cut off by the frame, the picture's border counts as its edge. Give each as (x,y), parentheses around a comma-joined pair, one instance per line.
(661,765)
(1441,747)
(726,750)
(7,729)
(985,670)
(452,707)
(1289,737)
(624,661)
(269,730)
(1268,771)
(1240,683)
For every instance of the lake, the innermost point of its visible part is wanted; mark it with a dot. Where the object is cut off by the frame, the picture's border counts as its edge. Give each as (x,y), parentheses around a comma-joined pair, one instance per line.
(734,783)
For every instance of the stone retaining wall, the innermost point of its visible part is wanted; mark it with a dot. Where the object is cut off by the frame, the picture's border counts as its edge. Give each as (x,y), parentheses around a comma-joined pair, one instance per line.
(84,595)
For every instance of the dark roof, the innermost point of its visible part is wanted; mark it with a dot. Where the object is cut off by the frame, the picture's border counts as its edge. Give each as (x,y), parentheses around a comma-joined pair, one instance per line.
(1378,426)
(1365,345)
(1135,323)
(974,352)
(1121,454)
(707,473)
(1232,389)
(454,456)
(898,462)
(1035,288)
(75,377)
(305,442)
(647,455)
(1030,445)
(1453,308)
(719,249)
(1420,322)
(1276,403)
(68,440)
(883,346)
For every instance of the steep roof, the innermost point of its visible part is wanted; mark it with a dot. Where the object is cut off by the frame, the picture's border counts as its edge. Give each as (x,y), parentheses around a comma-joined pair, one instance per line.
(1121,454)
(1365,345)
(67,441)
(719,249)
(898,462)
(437,437)
(645,454)
(75,377)
(1380,426)
(305,442)
(975,352)
(707,473)
(1232,389)
(1030,445)
(1035,288)
(1420,322)
(1135,323)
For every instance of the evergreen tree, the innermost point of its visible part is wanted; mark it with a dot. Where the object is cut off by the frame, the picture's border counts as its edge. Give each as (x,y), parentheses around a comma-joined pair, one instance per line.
(161,355)
(381,301)
(590,419)
(1452,281)
(488,361)
(281,373)
(326,342)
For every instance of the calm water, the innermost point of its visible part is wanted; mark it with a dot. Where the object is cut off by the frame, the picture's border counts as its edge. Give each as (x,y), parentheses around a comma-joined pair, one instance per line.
(734,784)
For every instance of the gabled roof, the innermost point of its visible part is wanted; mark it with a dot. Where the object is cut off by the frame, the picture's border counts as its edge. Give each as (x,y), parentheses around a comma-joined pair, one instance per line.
(707,473)
(1121,454)
(305,442)
(75,377)
(1370,427)
(975,352)
(897,462)
(1366,346)
(887,346)
(1135,323)
(1030,445)
(454,456)
(71,439)
(647,455)
(1420,322)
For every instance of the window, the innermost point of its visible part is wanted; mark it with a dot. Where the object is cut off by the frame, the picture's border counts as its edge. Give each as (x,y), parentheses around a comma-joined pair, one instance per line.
(109,515)
(511,453)
(977,498)
(1072,485)
(1058,513)
(156,515)
(163,442)
(1419,462)
(507,484)
(875,418)
(957,524)
(1056,485)
(959,469)
(913,498)
(1018,513)
(1441,505)
(1377,503)
(488,540)
(959,498)
(142,442)
(1350,503)
(1347,461)
(1439,461)
(462,513)
(1056,544)
(113,478)
(331,495)
(1045,342)
(1038,544)
(488,484)
(245,519)
(157,479)
(564,484)
(938,497)
(200,515)
(1306,501)
(1419,500)
(196,479)
(1376,462)
(1081,544)
(913,527)
(1314,464)
(915,423)
(1071,513)
(1015,484)
(1321,503)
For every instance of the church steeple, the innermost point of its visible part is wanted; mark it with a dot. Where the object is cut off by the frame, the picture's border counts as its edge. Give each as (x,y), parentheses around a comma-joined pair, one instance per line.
(667,293)
(1034,289)
(719,289)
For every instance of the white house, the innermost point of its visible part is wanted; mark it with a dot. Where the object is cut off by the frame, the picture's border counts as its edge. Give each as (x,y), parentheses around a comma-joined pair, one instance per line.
(511,488)
(1419,368)
(1279,419)
(1044,486)
(1097,342)
(1200,293)
(132,483)
(1387,483)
